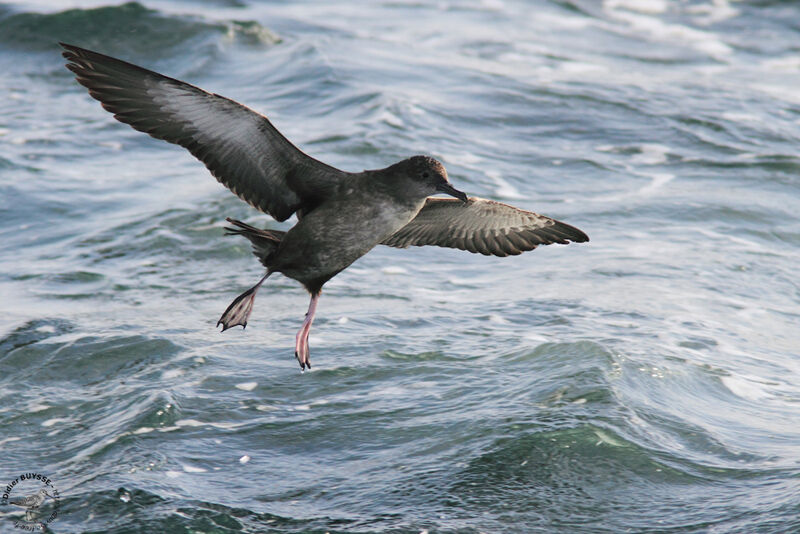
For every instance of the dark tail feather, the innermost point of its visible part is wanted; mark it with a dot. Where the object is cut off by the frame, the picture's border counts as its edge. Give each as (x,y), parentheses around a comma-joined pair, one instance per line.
(265,242)
(241,307)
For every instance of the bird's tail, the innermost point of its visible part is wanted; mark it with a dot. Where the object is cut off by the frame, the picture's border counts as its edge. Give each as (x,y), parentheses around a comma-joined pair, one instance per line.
(265,242)
(239,310)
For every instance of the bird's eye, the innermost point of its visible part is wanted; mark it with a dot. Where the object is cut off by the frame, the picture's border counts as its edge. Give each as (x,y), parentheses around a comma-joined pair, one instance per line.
(425,174)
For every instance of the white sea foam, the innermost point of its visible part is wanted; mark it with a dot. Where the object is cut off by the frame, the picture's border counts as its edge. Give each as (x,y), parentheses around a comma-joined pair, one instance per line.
(497,319)
(190,423)
(388,391)
(55,421)
(607,438)
(712,12)
(247,386)
(559,20)
(193,469)
(503,189)
(391,119)
(790,63)
(194,423)
(113,145)
(651,7)
(735,116)
(659,179)
(172,373)
(493,5)
(658,30)
(747,388)
(781,92)
(581,68)
(651,154)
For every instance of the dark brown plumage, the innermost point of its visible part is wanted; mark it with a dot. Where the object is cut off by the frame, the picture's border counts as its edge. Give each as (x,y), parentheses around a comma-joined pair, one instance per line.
(341,215)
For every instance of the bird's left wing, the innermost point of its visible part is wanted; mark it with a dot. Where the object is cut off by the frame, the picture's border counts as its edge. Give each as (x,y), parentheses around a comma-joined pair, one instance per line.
(480,225)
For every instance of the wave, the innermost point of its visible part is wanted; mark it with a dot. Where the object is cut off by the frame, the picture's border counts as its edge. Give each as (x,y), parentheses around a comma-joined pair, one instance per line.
(129,29)
(140,510)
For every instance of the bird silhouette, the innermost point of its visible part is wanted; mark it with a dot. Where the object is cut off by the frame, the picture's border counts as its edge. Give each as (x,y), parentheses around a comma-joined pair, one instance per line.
(341,215)
(31,503)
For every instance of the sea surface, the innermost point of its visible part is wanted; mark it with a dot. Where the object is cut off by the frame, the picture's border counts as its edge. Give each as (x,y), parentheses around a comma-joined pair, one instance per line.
(647,381)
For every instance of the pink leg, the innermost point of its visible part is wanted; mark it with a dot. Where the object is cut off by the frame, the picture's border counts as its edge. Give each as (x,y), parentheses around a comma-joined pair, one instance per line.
(301,340)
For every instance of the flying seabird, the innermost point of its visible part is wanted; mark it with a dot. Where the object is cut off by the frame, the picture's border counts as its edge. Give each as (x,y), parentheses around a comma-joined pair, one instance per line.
(341,215)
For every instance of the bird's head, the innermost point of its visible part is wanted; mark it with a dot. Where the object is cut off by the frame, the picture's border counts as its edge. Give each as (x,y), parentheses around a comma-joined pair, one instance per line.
(431,176)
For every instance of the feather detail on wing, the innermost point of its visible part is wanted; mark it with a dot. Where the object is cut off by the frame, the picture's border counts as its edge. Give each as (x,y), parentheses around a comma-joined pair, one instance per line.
(240,147)
(484,226)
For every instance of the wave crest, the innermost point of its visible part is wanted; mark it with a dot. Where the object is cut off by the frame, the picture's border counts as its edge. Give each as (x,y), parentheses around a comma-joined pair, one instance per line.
(130,29)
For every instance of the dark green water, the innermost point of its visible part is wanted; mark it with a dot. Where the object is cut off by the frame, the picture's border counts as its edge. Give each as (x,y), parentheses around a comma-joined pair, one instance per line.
(644,382)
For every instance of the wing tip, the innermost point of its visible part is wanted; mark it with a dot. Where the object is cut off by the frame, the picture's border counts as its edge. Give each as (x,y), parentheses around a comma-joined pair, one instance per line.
(70,52)
(580,236)
(569,232)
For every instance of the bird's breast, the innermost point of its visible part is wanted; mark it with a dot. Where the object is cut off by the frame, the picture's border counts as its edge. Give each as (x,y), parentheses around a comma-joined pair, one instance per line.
(337,233)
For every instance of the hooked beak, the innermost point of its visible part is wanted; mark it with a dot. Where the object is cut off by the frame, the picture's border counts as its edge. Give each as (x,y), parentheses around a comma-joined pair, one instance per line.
(452,191)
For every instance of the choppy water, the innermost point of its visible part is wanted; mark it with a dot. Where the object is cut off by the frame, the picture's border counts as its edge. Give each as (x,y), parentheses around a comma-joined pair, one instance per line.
(648,381)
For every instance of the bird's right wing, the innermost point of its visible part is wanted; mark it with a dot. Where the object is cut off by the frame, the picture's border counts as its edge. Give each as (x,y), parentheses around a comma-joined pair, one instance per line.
(240,147)
(480,225)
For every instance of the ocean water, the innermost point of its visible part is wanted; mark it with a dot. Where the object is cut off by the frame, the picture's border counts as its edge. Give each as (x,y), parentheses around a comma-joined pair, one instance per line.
(647,381)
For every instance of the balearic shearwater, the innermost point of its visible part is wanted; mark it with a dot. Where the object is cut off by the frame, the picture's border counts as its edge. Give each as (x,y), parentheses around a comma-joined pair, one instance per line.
(341,215)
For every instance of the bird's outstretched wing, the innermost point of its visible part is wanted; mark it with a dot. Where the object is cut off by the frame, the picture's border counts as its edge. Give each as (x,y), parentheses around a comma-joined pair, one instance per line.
(240,147)
(480,225)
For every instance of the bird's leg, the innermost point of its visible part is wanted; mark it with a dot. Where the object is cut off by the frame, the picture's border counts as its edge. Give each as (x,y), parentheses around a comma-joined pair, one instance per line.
(239,310)
(301,340)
